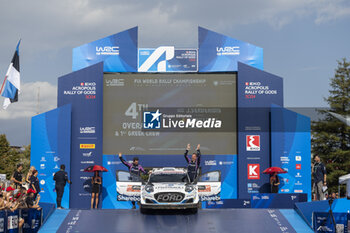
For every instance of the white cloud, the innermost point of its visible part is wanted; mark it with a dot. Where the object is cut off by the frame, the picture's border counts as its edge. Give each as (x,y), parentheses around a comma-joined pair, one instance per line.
(30,103)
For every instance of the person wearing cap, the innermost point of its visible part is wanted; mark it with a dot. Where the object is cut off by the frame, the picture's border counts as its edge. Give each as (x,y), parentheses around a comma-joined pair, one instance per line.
(135,170)
(30,200)
(17,176)
(9,193)
(60,178)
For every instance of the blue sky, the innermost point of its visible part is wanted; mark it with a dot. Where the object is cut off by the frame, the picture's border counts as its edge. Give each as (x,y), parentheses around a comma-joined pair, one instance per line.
(302,41)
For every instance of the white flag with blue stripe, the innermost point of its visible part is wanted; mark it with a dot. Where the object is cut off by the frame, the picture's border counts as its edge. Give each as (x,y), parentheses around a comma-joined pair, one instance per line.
(11,85)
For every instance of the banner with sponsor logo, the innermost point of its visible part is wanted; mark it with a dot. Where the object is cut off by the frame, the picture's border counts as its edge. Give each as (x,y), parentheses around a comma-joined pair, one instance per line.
(163,112)
(291,150)
(322,222)
(12,221)
(32,220)
(118,52)
(256,91)
(167,59)
(227,164)
(50,147)
(219,53)
(83,90)
(278,201)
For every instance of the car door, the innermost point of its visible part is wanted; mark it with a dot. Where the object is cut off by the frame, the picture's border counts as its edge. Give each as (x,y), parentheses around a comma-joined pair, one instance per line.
(127,190)
(209,186)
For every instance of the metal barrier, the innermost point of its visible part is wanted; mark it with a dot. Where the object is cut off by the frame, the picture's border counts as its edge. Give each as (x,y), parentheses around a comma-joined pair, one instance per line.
(9,220)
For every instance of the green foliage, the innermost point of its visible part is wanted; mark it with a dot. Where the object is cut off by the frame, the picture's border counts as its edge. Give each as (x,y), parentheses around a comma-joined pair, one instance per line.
(10,157)
(331,137)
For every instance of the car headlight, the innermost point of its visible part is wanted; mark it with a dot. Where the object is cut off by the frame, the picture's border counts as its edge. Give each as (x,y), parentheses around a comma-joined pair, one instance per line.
(189,188)
(149,188)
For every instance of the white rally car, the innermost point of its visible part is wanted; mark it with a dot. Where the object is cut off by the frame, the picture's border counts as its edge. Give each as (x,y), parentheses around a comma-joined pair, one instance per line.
(169,188)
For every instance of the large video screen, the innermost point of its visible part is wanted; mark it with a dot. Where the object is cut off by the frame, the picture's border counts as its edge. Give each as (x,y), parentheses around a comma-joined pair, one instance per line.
(126,96)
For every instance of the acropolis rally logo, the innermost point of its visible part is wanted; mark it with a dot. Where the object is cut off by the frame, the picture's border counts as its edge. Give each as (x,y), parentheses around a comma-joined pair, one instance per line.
(253,142)
(158,120)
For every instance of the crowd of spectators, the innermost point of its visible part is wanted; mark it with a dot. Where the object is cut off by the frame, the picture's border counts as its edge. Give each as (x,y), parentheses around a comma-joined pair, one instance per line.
(20,192)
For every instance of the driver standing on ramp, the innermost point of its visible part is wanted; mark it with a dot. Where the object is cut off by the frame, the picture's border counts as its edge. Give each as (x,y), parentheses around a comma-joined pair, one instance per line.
(135,170)
(193,163)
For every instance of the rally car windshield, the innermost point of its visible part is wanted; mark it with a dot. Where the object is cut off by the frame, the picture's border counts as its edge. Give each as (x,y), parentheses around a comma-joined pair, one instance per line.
(163,177)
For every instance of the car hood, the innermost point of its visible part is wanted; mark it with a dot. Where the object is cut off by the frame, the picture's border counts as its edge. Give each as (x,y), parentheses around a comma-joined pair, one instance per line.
(169,186)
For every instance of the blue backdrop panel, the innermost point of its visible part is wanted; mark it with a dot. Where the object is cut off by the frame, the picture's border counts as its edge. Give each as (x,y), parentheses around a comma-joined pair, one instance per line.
(118,52)
(50,147)
(256,91)
(220,53)
(227,164)
(306,209)
(291,150)
(83,89)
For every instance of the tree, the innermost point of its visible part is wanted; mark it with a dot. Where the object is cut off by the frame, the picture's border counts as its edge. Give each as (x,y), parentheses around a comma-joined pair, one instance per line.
(331,137)
(10,157)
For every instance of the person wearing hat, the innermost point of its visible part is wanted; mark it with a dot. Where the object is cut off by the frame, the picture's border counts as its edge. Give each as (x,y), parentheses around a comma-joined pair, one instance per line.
(9,194)
(135,170)
(30,200)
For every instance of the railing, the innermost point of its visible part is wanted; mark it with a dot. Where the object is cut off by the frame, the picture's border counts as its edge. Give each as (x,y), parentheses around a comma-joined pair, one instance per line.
(10,220)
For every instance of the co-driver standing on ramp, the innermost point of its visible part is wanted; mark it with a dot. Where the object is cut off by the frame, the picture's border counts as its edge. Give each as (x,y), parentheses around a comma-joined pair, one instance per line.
(193,163)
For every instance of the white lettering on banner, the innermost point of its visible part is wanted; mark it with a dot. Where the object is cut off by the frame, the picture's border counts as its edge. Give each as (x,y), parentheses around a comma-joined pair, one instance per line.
(151,60)
(87,162)
(84,88)
(210,162)
(128,198)
(210,198)
(252,89)
(107,50)
(228,50)
(116,82)
(192,123)
(87,130)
